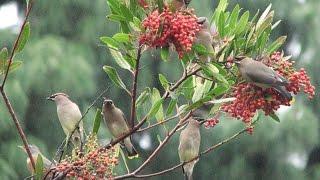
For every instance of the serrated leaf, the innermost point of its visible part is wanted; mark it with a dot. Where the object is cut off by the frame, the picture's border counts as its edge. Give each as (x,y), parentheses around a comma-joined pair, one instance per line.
(97,122)
(24,37)
(115,78)
(155,98)
(275,117)
(242,23)
(276,44)
(121,37)
(39,168)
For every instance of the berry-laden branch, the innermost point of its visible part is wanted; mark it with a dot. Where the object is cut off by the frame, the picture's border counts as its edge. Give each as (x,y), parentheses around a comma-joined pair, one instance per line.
(134,88)
(184,77)
(157,150)
(211,148)
(5,97)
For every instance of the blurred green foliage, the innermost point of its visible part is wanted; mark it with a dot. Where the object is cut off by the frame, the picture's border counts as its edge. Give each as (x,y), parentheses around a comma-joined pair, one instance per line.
(64,54)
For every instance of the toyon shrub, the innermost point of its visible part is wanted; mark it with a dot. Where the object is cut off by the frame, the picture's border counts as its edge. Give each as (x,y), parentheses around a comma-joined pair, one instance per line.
(206,47)
(250,98)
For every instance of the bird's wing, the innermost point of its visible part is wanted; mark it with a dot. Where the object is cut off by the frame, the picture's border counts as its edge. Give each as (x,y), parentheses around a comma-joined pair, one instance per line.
(259,73)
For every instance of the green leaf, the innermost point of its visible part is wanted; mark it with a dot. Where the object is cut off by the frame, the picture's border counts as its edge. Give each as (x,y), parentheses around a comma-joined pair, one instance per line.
(221,24)
(263,16)
(39,168)
(219,90)
(97,121)
(155,108)
(164,82)
(222,6)
(201,89)
(198,103)
(126,12)
(115,78)
(200,49)
(187,88)
(155,98)
(241,26)
(171,106)
(116,17)
(275,117)
(121,37)
(234,16)
(24,37)
(111,43)
(160,5)
(276,44)
(143,97)
(14,66)
(114,6)
(164,53)
(3,59)
(119,59)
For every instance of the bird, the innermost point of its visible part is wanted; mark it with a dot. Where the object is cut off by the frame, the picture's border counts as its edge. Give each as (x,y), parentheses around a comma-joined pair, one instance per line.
(117,125)
(179,4)
(263,76)
(35,152)
(69,115)
(189,147)
(205,38)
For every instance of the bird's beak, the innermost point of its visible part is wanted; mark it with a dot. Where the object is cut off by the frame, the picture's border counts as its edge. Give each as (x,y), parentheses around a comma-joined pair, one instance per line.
(49,98)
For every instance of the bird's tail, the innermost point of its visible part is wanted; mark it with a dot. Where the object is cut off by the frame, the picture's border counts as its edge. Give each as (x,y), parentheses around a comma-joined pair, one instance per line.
(132,152)
(282,90)
(188,170)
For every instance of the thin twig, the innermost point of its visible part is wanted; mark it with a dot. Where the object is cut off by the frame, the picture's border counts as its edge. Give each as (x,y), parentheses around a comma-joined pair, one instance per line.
(134,88)
(15,46)
(165,95)
(159,123)
(134,175)
(5,97)
(156,151)
(18,126)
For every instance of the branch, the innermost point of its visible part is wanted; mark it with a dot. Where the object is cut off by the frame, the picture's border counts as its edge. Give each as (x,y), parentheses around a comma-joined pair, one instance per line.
(5,97)
(165,95)
(156,151)
(15,46)
(158,123)
(134,88)
(18,126)
(133,175)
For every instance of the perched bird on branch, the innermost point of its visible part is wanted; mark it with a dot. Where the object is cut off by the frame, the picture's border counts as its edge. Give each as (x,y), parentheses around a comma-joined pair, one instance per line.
(204,37)
(35,152)
(69,116)
(189,146)
(117,125)
(263,76)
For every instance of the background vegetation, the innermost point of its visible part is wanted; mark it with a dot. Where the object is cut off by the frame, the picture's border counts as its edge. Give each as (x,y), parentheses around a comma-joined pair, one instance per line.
(64,54)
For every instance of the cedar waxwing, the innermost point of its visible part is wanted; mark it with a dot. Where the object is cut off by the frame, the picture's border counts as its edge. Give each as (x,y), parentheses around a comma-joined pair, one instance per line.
(189,146)
(204,37)
(179,4)
(69,115)
(263,76)
(35,153)
(117,125)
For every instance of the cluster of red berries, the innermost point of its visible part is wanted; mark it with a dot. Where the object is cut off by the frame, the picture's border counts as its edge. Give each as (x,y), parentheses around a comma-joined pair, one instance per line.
(96,163)
(178,28)
(250,98)
(210,123)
